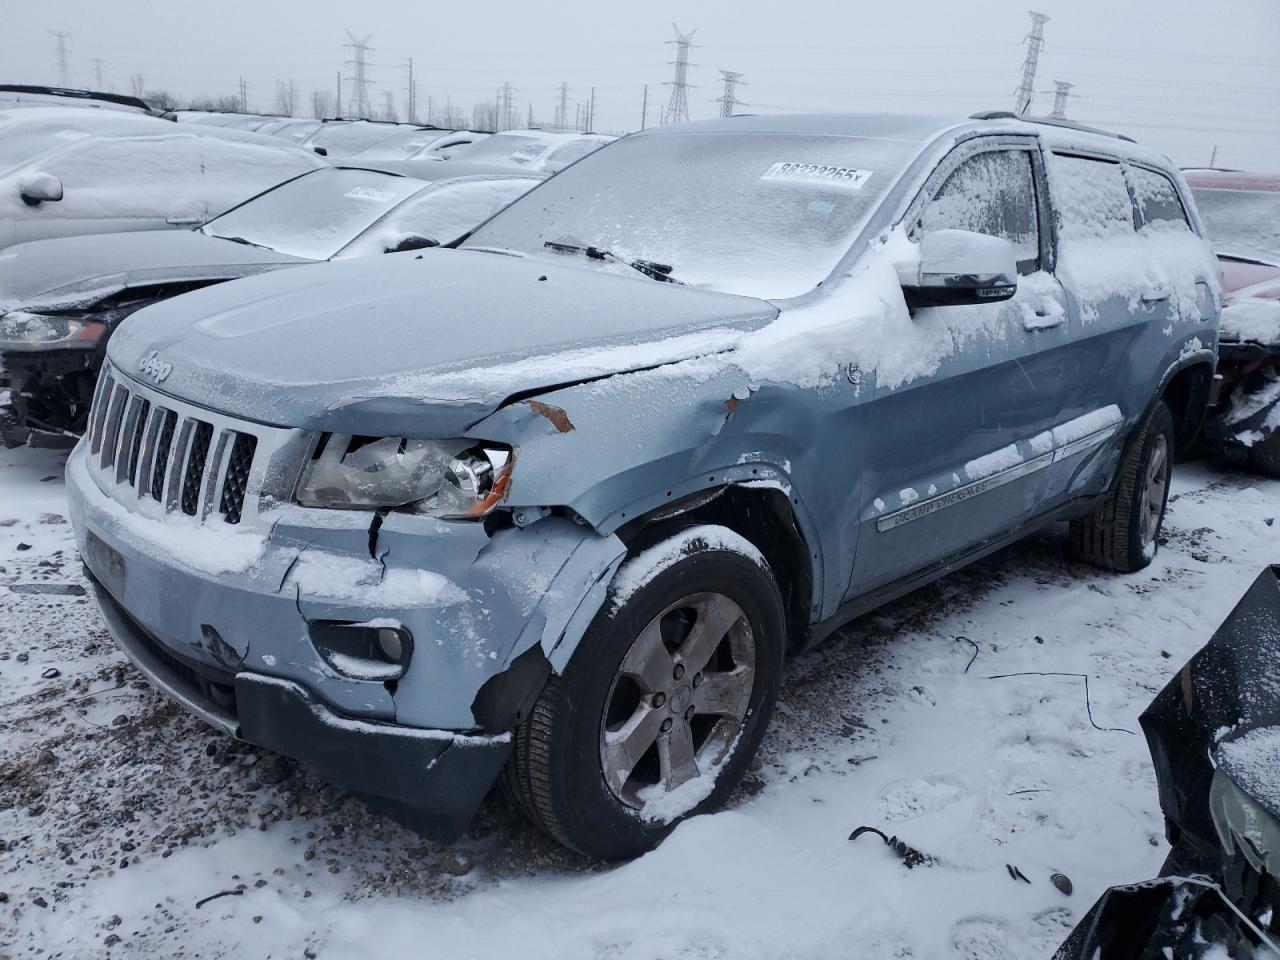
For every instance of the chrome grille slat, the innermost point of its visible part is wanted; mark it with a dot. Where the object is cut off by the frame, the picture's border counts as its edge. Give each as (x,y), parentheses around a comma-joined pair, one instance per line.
(163,457)
(111,424)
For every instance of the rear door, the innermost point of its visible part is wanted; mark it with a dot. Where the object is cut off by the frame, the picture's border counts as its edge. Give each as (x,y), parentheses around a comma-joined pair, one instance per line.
(1120,230)
(952,459)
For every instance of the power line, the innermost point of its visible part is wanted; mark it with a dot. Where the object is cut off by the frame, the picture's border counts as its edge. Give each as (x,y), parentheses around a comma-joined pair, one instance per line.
(412,105)
(359,104)
(1034,40)
(678,105)
(728,100)
(63,55)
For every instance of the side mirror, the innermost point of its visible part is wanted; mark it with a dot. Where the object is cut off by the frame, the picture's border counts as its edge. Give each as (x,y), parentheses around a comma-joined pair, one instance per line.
(960,267)
(40,188)
(321,151)
(412,242)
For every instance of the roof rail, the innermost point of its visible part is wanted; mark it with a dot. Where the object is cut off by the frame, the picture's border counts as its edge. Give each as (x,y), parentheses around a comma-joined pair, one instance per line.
(1049,121)
(120,98)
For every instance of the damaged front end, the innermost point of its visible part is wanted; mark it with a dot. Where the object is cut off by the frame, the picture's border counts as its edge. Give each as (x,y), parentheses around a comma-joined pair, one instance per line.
(1214,736)
(50,358)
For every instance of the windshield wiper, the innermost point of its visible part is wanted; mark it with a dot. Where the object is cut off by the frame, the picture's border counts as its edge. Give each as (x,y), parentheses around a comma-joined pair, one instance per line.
(655,271)
(247,243)
(1244,258)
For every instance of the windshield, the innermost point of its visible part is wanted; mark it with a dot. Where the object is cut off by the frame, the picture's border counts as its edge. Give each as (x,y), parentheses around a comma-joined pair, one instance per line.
(316,215)
(1245,223)
(349,138)
(402,146)
(507,148)
(760,214)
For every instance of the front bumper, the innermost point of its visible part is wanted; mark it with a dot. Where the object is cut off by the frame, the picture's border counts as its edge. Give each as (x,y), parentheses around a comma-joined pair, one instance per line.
(430,780)
(490,617)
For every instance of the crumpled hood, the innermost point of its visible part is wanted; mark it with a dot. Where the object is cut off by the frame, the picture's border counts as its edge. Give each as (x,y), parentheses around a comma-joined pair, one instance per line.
(417,343)
(79,271)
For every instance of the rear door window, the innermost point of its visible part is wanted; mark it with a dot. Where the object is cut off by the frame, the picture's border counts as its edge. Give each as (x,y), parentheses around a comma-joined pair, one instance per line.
(993,193)
(1157,200)
(1091,198)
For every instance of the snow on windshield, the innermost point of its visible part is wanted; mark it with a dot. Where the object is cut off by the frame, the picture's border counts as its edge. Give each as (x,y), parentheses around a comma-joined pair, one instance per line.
(442,213)
(347,137)
(764,215)
(1242,222)
(402,146)
(317,215)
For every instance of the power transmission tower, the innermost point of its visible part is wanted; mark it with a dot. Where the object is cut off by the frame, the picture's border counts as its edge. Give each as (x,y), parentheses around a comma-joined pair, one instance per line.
(97,73)
(678,105)
(562,108)
(591,111)
(412,104)
(1061,90)
(388,105)
(63,55)
(1034,40)
(729,99)
(359,105)
(644,108)
(244,96)
(506,107)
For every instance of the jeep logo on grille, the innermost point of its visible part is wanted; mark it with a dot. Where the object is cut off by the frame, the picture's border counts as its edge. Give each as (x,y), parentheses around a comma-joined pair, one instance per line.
(154,367)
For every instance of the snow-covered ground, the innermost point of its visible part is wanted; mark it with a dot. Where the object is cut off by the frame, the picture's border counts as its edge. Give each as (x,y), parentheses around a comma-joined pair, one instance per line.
(119,815)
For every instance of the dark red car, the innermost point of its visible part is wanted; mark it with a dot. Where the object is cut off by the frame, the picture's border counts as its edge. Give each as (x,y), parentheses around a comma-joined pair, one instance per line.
(1241,212)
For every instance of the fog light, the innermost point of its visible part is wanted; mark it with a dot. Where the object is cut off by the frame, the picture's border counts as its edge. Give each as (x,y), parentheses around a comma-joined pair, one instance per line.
(390,644)
(375,650)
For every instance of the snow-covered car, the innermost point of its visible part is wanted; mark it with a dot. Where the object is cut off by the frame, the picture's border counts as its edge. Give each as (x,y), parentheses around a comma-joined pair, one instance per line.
(428,143)
(1241,211)
(16,95)
(554,504)
(60,299)
(72,171)
(1214,736)
(538,150)
(342,139)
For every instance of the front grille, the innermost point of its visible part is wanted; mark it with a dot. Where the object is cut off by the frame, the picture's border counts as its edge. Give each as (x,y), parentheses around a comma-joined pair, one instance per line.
(158,455)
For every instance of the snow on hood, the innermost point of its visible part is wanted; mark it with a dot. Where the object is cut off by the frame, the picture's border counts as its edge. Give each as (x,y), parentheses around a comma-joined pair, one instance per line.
(79,271)
(453,330)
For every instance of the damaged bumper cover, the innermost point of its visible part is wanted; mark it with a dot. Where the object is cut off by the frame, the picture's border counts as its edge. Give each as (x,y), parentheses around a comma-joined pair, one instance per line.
(222,620)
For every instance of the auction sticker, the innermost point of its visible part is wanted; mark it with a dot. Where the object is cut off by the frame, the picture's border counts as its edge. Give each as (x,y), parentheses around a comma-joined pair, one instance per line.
(823,174)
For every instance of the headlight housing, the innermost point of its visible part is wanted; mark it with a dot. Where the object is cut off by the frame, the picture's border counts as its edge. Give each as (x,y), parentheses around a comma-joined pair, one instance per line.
(22,331)
(454,479)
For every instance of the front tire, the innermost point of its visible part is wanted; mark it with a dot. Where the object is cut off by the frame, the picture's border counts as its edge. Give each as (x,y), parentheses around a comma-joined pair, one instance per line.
(1123,532)
(663,704)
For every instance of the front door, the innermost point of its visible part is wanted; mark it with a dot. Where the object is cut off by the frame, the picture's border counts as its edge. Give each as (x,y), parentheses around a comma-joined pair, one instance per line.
(956,457)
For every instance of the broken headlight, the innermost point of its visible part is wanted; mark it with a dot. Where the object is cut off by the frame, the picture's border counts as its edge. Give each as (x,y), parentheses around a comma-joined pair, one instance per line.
(444,478)
(20,330)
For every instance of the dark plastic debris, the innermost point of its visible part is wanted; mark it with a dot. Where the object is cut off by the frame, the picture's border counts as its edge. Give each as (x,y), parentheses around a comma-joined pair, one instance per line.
(1015,873)
(1063,883)
(907,853)
(56,589)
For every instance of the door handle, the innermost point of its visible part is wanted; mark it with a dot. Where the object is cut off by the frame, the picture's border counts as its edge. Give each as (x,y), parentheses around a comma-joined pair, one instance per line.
(182,221)
(1155,296)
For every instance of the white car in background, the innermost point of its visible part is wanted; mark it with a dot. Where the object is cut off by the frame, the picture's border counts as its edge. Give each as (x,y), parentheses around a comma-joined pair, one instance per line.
(428,144)
(68,171)
(538,150)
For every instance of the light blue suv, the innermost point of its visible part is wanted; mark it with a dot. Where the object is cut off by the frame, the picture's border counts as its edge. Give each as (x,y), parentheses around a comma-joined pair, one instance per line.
(552,506)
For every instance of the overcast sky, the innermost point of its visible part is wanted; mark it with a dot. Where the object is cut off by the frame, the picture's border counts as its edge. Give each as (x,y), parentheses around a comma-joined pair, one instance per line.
(1182,76)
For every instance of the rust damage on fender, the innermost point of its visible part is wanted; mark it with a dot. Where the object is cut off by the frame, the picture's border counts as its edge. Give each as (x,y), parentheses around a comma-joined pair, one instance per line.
(556,415)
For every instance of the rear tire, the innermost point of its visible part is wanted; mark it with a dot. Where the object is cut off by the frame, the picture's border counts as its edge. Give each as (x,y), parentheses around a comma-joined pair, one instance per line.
(1123,532)
(663,704)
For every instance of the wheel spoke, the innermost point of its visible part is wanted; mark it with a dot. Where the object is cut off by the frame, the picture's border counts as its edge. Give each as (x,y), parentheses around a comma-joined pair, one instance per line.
(676,756)
(647,662)
(622,749)
(716,614)
(723,693)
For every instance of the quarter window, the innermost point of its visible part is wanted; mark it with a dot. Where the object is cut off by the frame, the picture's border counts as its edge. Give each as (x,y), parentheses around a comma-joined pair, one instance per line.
(1156,199)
